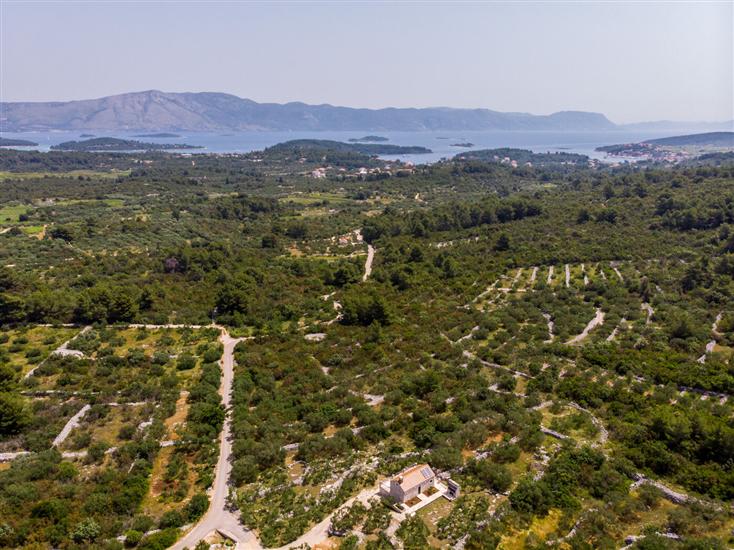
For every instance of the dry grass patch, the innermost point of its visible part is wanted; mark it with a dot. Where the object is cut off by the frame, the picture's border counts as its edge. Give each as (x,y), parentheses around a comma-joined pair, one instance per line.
(178,417)
(540,527)
(436,510)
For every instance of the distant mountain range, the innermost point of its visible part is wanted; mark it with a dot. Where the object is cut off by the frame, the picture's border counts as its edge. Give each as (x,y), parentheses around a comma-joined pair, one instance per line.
(209,111)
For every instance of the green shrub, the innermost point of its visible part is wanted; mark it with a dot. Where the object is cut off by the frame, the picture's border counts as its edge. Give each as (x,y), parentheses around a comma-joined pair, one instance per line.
(172,518)
(186,361)
(133,537)
(197,506)
(86,531)
(160,540)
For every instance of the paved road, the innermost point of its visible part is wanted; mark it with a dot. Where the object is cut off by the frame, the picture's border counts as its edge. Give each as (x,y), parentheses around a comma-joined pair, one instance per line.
(218,517)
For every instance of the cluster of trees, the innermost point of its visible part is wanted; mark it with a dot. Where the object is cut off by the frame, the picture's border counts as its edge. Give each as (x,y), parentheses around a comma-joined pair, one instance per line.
(522,156)
(569,471)
(361,308)
(51,500)
(204,422)
(449,218)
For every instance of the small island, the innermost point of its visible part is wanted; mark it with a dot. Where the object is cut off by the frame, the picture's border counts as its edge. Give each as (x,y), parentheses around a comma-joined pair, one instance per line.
(467,144)
(86,135)
(158,135)
(8,142)
(118,145)
(373,139)
(325,145)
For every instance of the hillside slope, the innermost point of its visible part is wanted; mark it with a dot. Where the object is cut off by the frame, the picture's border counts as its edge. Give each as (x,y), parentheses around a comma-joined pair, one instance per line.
(716,139)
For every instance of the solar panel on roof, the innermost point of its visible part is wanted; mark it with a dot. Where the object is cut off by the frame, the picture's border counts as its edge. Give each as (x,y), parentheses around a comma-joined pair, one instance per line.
(426,472)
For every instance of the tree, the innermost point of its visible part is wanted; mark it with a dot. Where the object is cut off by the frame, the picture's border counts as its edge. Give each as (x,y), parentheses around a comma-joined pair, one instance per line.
(503,243)
(583,216)
(14,415)
(196,507)
(446,458)
(11,308)
(681,328)
(269,241)
(297,230)
(345,274)
(361,309)
(378,517)
(185,361)
(530,497)
(495,476)
(62,232)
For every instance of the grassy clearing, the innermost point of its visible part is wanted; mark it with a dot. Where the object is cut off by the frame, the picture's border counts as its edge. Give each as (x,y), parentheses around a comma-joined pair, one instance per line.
(177,418)
(157,502)
(431,514)
(107,429)
(113,203)
(521,465)
(32,229)
(12,213)
(315,212)
(655,516)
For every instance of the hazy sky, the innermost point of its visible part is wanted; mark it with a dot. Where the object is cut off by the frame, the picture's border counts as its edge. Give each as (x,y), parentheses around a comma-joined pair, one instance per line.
(632,61)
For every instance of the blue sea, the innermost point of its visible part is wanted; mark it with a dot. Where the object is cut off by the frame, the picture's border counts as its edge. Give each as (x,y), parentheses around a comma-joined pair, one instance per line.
(441,143)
